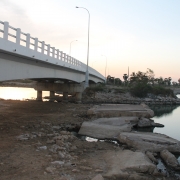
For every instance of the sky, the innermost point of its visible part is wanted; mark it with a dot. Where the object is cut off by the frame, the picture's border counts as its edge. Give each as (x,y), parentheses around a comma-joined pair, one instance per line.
(138,34)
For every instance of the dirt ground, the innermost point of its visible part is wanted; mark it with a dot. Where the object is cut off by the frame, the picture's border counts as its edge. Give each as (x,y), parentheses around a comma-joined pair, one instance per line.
(35,143)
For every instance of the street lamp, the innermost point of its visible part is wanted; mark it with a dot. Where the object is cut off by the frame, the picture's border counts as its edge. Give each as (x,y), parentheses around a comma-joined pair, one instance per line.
(87,72)
(70,47)
(105,66)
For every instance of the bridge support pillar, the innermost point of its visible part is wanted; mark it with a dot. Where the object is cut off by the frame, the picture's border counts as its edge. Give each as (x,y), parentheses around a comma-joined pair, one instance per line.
(51,94)
(39,96)
(65,95)
(78,96)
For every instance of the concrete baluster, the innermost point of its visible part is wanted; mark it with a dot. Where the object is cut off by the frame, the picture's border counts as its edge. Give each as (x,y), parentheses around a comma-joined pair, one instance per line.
(53,52)
(42,47)
(57,54)
(67,58)
(18,36)
(36,44)
(64,57)
(48,50)
(6,30)
(28,40)
(61,55)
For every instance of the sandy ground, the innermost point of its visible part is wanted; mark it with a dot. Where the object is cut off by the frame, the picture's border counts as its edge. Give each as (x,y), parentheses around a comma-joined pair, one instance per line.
(40,124)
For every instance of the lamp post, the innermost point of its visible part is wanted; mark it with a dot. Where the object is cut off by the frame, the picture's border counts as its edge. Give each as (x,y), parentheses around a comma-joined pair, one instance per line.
(70,47)
(105,66)
(87,71)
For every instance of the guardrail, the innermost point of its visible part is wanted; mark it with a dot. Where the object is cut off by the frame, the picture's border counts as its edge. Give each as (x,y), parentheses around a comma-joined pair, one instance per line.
(45,49)
(49,53)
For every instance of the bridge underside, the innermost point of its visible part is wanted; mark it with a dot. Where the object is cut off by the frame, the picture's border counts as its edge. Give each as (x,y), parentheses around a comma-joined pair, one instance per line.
(17,67)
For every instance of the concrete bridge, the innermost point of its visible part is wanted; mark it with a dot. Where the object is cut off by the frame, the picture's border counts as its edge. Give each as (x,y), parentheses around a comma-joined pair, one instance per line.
(25,57)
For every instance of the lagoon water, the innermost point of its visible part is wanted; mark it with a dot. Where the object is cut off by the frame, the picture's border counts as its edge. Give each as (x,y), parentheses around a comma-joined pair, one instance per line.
(167,115)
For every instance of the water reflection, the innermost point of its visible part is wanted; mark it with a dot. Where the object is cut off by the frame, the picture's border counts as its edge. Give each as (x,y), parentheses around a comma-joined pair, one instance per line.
(169,116)
(164,110)
(19,93)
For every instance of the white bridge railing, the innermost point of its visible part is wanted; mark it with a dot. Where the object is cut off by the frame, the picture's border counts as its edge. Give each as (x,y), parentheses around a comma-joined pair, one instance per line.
(37,45)
(34,48)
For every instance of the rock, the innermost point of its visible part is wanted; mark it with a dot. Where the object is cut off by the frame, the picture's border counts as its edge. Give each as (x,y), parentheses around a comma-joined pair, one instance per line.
(50,141)
(65,133)
(98,177)
(57,162)
(54,148)
(85,168)
(102,131)
(75,170)
(125,163)
(169,158)
(60,142)
(61,154)
(146,141)
(151,157)
(42,148)
(50,169)
(117,110)
(56,127)
(98,170)
(23,137)
(144,122)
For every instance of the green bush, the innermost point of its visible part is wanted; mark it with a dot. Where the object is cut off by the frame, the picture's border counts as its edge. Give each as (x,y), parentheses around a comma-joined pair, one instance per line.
(140,89)
(159,90)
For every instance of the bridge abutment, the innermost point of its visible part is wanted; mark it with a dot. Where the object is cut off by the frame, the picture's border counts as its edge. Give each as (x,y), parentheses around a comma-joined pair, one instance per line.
(67,89)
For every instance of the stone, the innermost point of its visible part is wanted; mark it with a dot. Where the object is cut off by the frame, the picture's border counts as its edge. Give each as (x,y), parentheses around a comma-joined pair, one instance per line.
(50,170)
(56,127)
(23,137)
(85,168)
(54,148)
(125,163)
(50,141)
(117,110)
(98,177)
(57,162)
(60,142)
(151,157)
(146,141)
(144,122)
(75,170)
(102,131)
(169,158)
(42,148)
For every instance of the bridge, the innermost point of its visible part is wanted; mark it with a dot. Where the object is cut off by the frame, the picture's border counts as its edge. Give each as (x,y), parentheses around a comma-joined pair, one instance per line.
(25,57)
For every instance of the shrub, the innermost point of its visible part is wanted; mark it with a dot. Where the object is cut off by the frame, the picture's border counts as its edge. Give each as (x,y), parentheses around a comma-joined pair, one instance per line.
(140,89)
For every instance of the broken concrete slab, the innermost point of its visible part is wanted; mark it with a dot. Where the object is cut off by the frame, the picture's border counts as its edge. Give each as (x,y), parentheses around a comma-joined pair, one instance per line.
(102,131)
(144,122)
(117,110)
(118,121)
(169,159)
(146,141)
(128,165)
